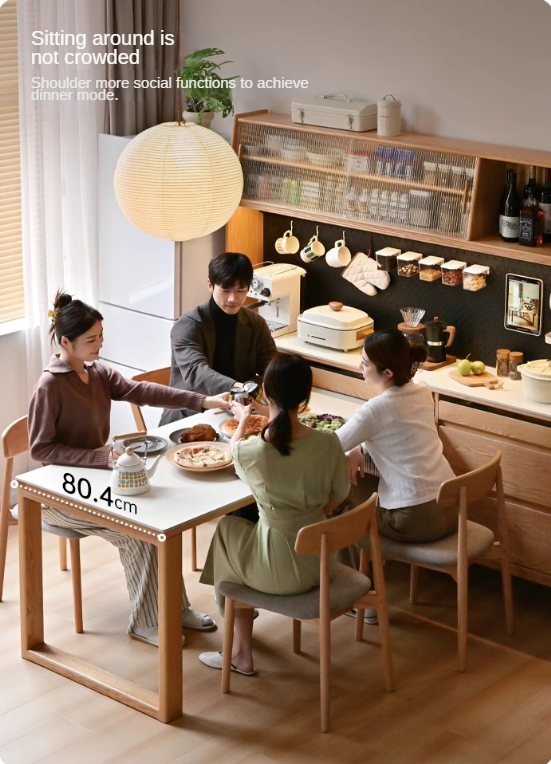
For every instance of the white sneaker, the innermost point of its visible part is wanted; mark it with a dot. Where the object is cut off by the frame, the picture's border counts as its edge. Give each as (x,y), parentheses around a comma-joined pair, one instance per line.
(370,616)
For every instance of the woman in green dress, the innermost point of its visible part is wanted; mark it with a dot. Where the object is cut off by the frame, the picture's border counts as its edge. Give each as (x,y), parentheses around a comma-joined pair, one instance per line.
(297,476)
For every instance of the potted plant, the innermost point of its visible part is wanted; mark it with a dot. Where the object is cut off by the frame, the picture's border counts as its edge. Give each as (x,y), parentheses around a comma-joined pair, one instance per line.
(205,90)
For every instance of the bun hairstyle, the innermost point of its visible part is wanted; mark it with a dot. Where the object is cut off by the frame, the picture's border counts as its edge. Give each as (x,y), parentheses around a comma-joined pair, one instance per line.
(288,383)
(389,349)
(71,318)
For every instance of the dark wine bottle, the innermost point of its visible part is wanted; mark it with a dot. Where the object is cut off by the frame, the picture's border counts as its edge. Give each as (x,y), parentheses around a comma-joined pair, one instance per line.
(503,197)
(531,189)
(531,222)
(510,218)
(545,206)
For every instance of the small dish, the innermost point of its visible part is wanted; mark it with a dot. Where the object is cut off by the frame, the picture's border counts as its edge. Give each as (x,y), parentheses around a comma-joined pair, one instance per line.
(155,444)
(175,436)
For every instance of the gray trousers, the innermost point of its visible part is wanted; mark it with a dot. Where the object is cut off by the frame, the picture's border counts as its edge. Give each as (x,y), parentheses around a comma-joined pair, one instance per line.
(139,560)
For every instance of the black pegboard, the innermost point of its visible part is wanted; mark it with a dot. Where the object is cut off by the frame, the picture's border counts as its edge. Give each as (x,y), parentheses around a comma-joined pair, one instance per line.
(477,316)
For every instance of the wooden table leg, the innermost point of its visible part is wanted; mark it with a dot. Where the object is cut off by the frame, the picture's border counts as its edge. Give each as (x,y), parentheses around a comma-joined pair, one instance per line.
(170,628)
(30,566)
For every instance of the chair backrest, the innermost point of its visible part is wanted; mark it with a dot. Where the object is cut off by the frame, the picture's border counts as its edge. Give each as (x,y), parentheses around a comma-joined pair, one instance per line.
(15,438)
(477,484)
(160,377)
(340,532)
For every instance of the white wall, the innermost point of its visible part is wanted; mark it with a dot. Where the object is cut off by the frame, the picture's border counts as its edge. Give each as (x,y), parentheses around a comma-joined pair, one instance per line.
(472,69)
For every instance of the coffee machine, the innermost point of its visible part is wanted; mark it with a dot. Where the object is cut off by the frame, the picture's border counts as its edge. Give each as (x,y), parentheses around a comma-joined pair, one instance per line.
(276,286)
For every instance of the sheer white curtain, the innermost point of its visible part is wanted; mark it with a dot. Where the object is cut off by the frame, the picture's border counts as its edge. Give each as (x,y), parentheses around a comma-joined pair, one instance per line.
(59,141)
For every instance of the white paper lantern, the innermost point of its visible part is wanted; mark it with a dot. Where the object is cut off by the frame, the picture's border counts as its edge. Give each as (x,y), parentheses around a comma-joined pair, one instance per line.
(178,182)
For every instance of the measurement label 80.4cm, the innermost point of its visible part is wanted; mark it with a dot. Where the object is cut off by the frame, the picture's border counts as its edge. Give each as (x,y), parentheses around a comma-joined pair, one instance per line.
(83,489)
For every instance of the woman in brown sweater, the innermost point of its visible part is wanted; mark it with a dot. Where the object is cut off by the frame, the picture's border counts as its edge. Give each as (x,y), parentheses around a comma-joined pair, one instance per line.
(69,418)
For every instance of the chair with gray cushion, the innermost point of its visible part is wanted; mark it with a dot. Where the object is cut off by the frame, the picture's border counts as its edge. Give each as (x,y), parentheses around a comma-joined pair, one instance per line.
(454,553)
(15,441)
(323,604)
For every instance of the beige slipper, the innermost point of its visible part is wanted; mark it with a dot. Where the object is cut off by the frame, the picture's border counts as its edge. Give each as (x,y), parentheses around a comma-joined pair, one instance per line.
(152,637)
(215,660)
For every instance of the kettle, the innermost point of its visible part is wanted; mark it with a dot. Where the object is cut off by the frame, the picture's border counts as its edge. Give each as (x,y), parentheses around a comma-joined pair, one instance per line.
(434,332)
(130,475)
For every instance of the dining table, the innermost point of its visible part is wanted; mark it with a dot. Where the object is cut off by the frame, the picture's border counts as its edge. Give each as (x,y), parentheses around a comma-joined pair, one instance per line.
(177,501)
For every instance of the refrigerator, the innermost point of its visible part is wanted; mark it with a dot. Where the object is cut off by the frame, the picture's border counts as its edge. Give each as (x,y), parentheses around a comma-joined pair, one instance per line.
(145,285)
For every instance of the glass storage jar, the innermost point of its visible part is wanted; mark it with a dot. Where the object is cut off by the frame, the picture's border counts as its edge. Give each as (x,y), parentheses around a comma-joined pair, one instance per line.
(429,173)
(457,177)
(420,212)
(386,258)
(502,363)
(449,216)
(452,272)
(408,263)
(515,360)
(475,277)
(430,268)
(443,174)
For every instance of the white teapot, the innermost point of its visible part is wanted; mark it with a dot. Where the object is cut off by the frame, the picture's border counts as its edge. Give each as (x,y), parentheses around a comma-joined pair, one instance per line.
(130,475)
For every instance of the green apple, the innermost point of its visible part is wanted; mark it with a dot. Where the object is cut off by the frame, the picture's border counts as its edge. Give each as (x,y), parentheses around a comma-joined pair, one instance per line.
(477,367)
(464,367)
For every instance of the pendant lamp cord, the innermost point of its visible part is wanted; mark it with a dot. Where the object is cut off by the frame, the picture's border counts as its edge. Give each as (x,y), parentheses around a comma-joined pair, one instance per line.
(179,89)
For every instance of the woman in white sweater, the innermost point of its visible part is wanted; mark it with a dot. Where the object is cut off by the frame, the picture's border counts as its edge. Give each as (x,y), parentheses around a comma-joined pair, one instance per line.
(397,429)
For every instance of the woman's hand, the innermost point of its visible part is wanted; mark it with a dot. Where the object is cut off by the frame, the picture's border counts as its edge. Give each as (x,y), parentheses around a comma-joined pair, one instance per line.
(113,456)
(241,412)
(263,410)
(355,462)
(216,402)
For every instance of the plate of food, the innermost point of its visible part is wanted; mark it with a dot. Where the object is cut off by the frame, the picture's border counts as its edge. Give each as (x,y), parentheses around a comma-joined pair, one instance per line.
(327,422)
(202,432)
(254,425)
(154,444)
(200,456)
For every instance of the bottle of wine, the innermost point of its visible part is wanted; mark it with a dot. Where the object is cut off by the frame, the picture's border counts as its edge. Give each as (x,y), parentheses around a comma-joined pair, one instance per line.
(510,217)
(531,222)
(545,206)
(503,197)
(531,189)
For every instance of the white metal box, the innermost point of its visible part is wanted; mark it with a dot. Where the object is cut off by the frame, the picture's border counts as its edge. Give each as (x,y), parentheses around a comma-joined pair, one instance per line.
(336,111)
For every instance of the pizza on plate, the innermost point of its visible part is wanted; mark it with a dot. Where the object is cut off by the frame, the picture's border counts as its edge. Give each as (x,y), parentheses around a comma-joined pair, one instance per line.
(255,423)
(202,456)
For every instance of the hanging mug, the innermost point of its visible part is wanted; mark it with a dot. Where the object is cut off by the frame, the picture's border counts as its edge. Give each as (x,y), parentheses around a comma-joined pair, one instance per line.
(287,244)
(339,256)
(313,250)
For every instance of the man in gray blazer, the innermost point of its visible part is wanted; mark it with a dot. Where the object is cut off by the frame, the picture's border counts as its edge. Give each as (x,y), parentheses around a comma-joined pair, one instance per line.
(220,342)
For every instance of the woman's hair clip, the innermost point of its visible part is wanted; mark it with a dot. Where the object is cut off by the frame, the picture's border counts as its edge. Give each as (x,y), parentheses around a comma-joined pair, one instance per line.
(53,314)
(414,367)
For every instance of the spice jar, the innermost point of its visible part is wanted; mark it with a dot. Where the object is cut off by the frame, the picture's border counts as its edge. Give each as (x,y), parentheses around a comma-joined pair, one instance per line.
(420,208)
(430,268)
(408,263)
(475,277)
(452,272)
(515,360)
(443,175)
(457,177)
(448,218)
(502,363)
(386,258)
(429,173)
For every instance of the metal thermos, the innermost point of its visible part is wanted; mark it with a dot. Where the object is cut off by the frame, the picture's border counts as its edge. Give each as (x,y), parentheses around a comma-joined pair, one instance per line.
(436,343)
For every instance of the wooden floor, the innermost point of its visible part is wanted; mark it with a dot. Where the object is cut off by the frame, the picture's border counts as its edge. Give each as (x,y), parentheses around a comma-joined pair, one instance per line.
(500,711)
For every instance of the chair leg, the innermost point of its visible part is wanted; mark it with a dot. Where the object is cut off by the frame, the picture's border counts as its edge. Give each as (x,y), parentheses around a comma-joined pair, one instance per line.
(74,546)
(194,549)
(462,617)
(62,553)
(3,544)
(413,584)
(229,618)
(297,634)
(325,671)
(507,593)
(364,565)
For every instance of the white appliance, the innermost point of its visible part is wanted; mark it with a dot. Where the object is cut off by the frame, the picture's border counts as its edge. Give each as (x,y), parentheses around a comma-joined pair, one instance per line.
(335,326)
(145,284)
(277,288)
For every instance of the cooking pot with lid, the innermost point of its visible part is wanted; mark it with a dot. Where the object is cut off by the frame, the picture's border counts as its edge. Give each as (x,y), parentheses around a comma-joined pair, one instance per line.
(335,326)
(536,380)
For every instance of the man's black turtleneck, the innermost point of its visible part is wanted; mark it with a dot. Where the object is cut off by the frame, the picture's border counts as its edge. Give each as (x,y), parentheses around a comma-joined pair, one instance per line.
(224,349)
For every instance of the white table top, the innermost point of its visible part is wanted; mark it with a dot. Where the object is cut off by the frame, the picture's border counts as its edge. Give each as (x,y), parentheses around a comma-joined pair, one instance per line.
(176,497)
(510,397)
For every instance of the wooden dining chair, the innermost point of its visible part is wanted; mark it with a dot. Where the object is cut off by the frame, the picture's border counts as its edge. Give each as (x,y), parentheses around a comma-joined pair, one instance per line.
(15,441)
(454,553)
(349,589)
(160,377)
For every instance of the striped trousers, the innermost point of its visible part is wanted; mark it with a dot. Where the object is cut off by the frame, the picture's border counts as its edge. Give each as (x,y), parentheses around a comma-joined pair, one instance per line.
(139,560)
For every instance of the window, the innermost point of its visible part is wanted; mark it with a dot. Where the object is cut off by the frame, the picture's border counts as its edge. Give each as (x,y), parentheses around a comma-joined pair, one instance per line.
(11,259)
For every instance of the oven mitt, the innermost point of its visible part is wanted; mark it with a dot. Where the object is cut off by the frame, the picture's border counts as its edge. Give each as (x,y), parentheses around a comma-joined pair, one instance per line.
(365,274)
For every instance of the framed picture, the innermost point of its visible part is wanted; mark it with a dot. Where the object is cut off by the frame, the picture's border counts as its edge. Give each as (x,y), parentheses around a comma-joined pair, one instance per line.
(523,301)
